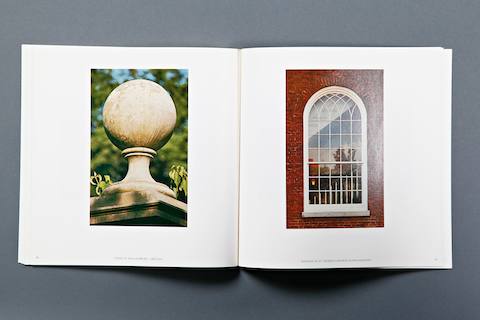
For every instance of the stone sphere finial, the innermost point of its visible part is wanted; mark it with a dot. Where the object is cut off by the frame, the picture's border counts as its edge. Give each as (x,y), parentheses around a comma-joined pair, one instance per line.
(139,113)
(139,118)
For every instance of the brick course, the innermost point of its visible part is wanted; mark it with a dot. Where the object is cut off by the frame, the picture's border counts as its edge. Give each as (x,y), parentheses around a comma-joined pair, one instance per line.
(300,86)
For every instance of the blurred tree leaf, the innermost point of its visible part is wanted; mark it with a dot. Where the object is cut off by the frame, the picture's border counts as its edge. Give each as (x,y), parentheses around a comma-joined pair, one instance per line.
(179,177)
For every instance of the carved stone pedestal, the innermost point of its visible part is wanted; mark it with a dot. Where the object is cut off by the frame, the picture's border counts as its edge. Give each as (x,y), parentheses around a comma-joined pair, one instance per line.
(138,208)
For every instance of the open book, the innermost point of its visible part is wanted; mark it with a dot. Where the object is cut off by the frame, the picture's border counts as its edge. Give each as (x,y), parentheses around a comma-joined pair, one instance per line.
(211,157)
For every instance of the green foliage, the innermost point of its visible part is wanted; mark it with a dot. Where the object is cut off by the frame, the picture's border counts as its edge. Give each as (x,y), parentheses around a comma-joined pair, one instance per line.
(105,157)
(100,183)
(179,181)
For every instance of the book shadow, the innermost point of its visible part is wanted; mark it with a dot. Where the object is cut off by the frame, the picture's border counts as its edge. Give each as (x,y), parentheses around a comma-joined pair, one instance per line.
(299,280)
(322,279)
(203,276)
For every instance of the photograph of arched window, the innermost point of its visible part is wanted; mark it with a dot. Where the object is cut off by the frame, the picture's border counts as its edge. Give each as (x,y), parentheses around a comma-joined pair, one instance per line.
(334,148)
(335,154)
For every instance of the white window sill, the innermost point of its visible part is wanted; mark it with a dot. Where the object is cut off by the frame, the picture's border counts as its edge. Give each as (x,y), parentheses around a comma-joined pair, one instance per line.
(327,214)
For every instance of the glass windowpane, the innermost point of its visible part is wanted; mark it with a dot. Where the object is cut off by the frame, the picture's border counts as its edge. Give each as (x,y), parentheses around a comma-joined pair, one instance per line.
(345,154)
(313,155)
(357,169)
(335,127)
(313,170)
(324,170)
(356,141)
(324,127)
(313,184)
(335,169)
(314,198)
(346,169)
(357,197)
(324,141)
(346,127)
(356,126)
(312,128)
(323,114)
(324,155)
(313,141)
(335,141)
(324,184)
(313,116)
(346,141)
(357,183)
(356,155)
(335,154)
(346,115)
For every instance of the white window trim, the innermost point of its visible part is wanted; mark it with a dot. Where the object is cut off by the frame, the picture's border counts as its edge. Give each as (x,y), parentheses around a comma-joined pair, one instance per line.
(335,210)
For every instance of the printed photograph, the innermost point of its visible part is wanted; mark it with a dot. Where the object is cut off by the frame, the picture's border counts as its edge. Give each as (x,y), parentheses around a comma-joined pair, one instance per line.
(139,146)
(334,149)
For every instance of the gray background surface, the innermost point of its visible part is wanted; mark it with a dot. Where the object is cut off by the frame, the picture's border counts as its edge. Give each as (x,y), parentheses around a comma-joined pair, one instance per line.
(119,293)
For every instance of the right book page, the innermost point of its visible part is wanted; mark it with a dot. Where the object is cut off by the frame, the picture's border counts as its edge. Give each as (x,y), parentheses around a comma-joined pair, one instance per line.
(345,158)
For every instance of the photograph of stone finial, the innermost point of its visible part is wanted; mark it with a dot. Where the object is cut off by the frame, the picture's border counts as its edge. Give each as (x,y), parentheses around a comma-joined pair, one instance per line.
(139,118)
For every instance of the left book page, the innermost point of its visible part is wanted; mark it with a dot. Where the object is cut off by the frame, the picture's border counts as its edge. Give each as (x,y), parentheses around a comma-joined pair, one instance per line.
(129,156)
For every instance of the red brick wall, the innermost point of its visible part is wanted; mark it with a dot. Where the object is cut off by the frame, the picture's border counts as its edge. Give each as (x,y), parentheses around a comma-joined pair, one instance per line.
(301,85)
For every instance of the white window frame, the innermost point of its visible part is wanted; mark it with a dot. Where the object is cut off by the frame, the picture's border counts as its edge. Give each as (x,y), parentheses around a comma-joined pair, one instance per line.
(335,210)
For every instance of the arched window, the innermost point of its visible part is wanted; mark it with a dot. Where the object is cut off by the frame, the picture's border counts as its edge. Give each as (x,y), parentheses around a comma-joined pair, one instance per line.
(335,154)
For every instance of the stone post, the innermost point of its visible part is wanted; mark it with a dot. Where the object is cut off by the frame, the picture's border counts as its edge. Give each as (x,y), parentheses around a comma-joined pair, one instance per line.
(139,117)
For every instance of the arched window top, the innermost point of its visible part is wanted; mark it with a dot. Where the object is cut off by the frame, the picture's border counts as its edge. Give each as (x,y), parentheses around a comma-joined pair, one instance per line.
(335,154)
(332,102)
(335,107)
